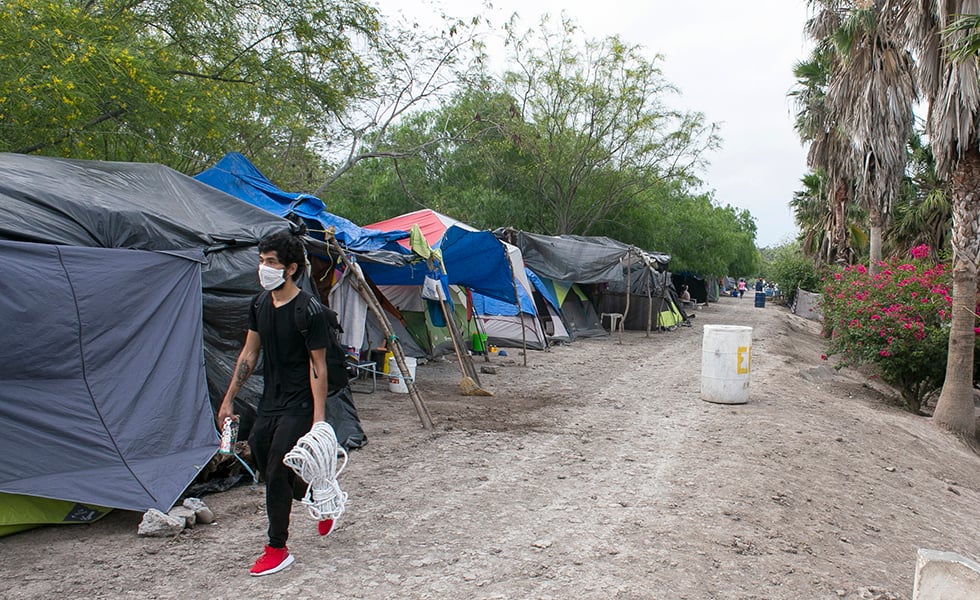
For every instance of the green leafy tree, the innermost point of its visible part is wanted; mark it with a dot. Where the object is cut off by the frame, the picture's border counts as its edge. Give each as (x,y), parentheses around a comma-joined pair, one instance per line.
(181,81)
(790,268)
(698,235)
(414,70)
(591,122)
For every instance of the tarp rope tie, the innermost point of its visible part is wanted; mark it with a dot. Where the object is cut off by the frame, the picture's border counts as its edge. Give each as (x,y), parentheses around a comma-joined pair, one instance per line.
(314,458)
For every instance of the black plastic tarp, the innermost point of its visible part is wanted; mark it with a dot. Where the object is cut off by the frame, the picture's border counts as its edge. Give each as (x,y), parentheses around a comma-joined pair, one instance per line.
(102,386)
(573,258)
(147,207)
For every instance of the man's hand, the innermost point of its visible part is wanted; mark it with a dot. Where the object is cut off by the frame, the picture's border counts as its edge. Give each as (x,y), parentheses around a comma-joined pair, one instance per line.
(224,412)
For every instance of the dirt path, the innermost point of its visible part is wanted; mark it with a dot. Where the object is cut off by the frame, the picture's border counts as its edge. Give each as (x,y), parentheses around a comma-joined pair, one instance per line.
(594,472)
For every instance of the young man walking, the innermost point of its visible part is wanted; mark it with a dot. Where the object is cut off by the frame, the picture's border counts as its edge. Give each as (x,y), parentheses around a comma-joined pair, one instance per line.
(295,392)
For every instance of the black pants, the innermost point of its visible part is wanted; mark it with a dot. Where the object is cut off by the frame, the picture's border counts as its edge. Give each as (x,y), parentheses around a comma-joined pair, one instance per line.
(270,440)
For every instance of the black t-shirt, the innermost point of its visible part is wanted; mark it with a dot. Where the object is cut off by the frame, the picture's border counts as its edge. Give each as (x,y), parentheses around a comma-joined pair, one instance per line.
(285,355)
(758,285)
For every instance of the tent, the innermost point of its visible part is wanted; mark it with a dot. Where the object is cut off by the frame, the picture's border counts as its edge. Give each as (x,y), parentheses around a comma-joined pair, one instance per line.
(513,324)
(549,308)
(476,260)
(104,399)
(146,276)
(698,286)
(654,304)
(600,268)
(235,175)
(18,512)
(579,318)
(570,268)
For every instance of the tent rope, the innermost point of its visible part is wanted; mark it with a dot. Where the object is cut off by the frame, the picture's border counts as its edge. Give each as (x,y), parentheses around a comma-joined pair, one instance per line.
(314,458)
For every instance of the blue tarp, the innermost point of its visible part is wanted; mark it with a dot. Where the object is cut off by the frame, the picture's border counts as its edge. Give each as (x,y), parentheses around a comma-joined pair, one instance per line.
(474,259)
(485,305)
(477,260)
(543,289)
(235,175)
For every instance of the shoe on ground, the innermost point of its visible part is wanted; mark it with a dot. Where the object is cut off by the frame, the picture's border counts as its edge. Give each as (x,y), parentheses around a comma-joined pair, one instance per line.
(272,561)
(326,526)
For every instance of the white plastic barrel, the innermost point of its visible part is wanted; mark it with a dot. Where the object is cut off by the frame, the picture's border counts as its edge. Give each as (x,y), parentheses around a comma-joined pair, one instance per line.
(396,381)
(726,359)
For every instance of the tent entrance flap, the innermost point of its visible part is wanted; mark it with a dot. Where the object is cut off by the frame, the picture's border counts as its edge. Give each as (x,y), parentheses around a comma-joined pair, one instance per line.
(90,405)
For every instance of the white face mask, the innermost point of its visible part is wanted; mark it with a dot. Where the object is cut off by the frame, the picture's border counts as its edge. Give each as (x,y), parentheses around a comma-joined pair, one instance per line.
(271,278)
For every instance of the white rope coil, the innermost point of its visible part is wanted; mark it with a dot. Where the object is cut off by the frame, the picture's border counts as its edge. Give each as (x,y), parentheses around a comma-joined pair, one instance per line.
(314,458)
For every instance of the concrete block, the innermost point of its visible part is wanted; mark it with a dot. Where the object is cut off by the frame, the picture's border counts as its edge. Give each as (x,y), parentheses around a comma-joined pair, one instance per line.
(945,576)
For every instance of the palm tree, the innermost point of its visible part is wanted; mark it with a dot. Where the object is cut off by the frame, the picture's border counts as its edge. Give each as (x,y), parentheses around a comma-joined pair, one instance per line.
(923,213)
(952,88)
(815,219)
(828,145)
(871,93)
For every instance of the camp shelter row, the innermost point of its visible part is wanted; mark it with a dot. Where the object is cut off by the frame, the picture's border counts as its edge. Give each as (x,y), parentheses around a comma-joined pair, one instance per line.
(114,273)
(516,288)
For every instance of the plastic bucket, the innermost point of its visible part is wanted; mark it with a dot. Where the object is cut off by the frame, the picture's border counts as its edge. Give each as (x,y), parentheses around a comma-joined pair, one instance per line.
(479,342)
(396,381)
(760,299)
(726,359)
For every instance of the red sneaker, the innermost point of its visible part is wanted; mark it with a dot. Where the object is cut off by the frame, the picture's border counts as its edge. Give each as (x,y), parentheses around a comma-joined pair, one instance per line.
(272,561)
(325,526)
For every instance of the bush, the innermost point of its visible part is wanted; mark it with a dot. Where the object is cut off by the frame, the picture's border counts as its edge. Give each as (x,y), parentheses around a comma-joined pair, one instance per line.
(790,270)
(896,321)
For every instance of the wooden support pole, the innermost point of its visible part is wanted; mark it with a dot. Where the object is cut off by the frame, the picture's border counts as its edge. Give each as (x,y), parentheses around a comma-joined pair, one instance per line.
(393,344)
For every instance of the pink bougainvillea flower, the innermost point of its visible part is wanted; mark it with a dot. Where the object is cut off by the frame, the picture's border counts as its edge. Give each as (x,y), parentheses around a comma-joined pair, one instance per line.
(921,251)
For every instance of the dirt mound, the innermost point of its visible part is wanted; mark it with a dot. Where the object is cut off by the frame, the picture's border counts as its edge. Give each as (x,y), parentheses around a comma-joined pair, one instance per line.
(595,471)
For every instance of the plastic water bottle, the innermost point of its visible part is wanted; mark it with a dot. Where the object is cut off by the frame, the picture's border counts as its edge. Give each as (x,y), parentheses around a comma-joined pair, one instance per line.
(229,435)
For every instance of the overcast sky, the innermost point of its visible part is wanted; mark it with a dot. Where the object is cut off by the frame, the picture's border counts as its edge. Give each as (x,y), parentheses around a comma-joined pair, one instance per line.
(733,61)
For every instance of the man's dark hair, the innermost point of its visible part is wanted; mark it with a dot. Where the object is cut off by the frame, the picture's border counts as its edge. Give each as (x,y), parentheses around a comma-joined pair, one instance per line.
(288,248)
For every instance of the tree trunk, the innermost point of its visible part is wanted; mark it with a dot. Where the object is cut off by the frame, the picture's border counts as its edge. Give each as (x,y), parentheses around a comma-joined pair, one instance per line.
(955,410)
(877,220)
(840,224)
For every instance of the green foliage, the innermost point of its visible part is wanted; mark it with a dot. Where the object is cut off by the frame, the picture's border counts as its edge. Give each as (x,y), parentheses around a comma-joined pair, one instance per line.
(699,236)
(591,127)
(789,268)
(490,175)
(896,321)
(923,213)
(179,81)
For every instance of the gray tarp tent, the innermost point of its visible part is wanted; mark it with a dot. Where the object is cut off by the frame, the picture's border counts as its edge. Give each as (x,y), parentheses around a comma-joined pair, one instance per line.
(605,261)
(103,398)
(572,258)
(89,204)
